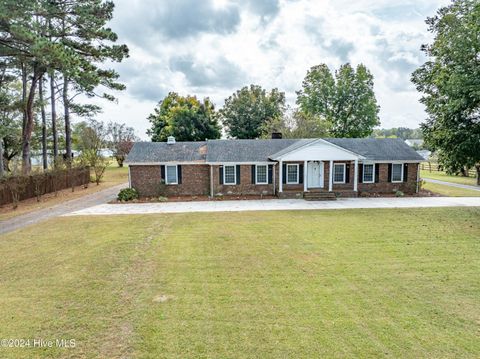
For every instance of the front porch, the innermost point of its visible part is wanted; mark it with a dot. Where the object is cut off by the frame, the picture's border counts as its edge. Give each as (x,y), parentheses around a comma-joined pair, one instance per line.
(318,176)
(318,167)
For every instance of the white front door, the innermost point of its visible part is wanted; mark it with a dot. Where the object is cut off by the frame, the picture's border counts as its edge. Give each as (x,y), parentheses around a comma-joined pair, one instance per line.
(314,174)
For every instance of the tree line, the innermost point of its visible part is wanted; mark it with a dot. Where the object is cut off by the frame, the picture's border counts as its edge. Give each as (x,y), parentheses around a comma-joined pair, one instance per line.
(343,103)
(52,51)
(339,104)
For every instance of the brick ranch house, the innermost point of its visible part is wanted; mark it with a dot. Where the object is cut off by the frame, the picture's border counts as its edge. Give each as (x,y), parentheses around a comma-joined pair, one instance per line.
(278,167)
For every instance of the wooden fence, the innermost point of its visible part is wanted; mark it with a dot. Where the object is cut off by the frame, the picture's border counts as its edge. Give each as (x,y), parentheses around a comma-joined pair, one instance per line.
(50,182)
(435,167)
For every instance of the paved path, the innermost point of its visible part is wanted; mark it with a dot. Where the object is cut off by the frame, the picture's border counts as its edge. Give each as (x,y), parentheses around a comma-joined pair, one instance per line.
(276,204)
(451,184)
(77,204)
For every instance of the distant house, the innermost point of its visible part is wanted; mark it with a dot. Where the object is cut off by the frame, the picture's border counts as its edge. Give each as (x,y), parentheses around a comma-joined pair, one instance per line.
(425,154)
(281,167)
(414,143)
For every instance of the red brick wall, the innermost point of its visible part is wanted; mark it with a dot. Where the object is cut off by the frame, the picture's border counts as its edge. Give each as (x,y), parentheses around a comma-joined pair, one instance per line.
(289,187)
(384,186)
(196,181)
(147,181)
(246,187)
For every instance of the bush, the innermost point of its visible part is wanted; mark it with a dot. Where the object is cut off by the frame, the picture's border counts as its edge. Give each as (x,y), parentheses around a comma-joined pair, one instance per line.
(127,194)
(399,194)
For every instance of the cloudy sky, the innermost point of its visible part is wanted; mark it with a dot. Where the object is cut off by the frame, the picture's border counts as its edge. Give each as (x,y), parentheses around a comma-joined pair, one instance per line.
(214,47)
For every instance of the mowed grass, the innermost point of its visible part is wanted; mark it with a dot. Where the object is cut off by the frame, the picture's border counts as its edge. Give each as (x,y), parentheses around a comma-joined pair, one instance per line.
(303,284)
(449,191)
(442,176)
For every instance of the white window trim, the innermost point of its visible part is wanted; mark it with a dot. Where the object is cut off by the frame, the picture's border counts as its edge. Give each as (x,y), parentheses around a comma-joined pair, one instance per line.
(234,175)
(256,174)
(166,174)
(344,165)
(373,173)
(401,179)
(298,172)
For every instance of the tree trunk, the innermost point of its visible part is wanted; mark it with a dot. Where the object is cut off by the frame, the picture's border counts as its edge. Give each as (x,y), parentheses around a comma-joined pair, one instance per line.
(54,117)
(24,96)
(68,134)
(30,121)
(44,124)
(478,174)
(2,169)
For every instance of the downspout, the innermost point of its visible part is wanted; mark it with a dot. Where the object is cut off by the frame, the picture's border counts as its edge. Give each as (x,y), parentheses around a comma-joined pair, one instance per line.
(274,180)
(418,177)
(211,181)
(129,178)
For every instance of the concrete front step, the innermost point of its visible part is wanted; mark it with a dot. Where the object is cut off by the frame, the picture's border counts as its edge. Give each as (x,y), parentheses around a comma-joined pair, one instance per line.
(319,196)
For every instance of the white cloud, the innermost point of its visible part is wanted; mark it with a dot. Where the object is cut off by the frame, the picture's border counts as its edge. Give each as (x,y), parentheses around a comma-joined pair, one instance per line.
(212,48)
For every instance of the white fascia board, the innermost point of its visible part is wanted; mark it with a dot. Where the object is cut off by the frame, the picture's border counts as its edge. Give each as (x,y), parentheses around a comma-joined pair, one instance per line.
(390,161)
(239,163)
(163,163)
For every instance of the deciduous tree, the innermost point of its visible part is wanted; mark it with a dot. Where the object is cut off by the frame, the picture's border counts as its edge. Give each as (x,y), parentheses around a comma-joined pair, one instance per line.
(121,140)
(450,83)
(345,100)
(247,112)
(185,118)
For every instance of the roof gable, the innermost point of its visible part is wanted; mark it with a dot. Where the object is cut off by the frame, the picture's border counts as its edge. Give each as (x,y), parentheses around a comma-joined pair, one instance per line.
(314,150)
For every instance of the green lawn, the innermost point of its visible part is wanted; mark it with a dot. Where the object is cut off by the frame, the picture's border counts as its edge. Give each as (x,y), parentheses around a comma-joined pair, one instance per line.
(442,176)
(304,284)
(450,191)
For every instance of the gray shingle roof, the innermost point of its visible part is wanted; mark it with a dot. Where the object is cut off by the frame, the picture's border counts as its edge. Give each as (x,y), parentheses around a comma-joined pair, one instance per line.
(248,151)
(378,149)
(151,152)
(245,150)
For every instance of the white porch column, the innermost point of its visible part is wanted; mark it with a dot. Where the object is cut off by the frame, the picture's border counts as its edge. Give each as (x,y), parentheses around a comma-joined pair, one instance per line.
(280,176)
(305,176)
(274,179)
(330,177)
(355,180)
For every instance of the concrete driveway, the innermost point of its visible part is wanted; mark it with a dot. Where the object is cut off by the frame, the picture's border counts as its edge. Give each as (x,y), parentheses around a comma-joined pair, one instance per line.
(43,214)
(451,184)
(276,204)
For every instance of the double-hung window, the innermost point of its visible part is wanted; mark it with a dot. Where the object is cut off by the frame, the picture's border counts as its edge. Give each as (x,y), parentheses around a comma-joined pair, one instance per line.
(339,173)
(229,174)
(368,173)
(172,175)
(292,173)
(397,172)
(261,174)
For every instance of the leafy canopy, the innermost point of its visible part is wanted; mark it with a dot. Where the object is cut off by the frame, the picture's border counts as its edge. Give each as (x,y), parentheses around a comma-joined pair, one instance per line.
(297,124)
(185,118)
(246,113)
(345,100)
(450,83)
